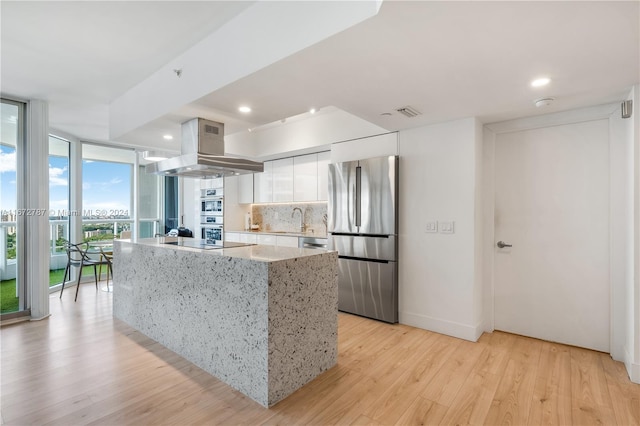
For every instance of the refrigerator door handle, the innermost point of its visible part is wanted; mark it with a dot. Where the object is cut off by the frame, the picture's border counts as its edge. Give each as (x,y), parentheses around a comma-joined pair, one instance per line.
(357,196)
(355,201)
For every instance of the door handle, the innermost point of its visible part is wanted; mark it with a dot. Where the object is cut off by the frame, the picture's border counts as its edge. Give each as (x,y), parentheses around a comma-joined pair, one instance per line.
(502,244)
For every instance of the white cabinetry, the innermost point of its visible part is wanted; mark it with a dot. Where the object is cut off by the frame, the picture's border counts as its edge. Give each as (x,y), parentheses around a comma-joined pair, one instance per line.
(248,238)
(262,184)
(285,241)
(245,189)
(282,171)
(240,237)
(263,239)
(305,177)
(269,240)
(233,237)
(301,178)
(323,175)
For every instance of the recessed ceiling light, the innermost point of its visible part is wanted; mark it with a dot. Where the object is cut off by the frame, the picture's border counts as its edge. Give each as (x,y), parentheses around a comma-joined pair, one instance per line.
(244,109)
(539,82)
(543,102)
(312,110)
(168,137)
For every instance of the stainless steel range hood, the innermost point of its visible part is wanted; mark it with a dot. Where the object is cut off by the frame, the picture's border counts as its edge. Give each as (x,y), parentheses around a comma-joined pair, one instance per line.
(203,154)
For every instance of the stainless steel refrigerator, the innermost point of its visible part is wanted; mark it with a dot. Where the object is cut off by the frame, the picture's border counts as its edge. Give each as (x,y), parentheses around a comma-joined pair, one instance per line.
(363,228)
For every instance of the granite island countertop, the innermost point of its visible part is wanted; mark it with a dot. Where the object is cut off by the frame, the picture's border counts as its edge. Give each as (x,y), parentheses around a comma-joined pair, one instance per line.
(263,319)
(259,253)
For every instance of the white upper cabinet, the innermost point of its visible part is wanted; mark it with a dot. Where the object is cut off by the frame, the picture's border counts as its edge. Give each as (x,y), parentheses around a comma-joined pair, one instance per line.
(262,184)
(282,171)
(245,189)
(305,177)
(323,175)
(301,178)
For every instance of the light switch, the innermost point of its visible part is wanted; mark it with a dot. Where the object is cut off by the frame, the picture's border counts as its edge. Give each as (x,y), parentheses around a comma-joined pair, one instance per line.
(431,227)
(446,227)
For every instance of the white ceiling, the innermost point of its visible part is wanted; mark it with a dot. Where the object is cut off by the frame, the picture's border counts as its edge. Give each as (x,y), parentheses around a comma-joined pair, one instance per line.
(447,59)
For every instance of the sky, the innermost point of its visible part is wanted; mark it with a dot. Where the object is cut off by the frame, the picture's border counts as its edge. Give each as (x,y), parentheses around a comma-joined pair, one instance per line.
(106,187)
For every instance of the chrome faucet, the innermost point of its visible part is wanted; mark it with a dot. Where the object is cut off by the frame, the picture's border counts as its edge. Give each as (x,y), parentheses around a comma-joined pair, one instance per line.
(302,225)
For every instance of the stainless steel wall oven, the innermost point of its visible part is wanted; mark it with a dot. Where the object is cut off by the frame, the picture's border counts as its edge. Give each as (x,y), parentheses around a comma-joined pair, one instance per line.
(212,215)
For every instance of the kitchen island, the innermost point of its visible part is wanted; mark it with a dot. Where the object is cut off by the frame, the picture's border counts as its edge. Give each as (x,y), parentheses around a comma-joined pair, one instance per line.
(262,319)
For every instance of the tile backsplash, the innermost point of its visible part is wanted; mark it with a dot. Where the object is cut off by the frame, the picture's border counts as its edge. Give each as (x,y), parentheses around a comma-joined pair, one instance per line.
(278,217)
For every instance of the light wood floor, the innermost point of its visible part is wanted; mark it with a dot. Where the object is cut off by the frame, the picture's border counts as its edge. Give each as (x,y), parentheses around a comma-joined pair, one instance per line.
(81,366)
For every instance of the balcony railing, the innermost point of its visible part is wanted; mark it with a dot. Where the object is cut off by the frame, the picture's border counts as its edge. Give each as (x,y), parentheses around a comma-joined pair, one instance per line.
(59,229)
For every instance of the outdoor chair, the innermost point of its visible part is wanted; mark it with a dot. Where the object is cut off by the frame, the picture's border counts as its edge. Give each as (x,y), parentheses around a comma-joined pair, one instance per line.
(77,257)
(108,259)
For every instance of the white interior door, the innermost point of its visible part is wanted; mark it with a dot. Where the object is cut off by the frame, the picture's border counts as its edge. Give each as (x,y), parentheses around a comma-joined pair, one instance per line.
(552,206)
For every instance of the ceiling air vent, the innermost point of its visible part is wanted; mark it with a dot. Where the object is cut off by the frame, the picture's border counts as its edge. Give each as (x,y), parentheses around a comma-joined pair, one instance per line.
(409,111)
(211,129)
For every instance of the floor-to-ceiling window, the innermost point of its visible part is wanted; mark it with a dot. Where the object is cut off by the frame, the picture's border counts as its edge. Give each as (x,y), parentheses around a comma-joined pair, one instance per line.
(12,291)
(91,199)
(171,203)
(149,200)
(107,192)
(158,203)
(58,207)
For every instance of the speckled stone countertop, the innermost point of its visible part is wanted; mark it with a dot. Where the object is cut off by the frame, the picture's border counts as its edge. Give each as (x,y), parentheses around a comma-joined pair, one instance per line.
(262,319)
(260,253)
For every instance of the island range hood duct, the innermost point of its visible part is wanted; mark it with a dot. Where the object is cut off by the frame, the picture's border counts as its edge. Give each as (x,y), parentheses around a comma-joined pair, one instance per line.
(203,154)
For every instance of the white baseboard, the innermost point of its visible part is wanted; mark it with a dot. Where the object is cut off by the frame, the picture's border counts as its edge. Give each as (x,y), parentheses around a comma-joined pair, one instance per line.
(450,328)
(633,369)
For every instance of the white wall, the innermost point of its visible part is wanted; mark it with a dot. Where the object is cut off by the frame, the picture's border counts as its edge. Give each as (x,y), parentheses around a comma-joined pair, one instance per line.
(297,137)
(440,274)
(632,361)
(370,147)
(621,257)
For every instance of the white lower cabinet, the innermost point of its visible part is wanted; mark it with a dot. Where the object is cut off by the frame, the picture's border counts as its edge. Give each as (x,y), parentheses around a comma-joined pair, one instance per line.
(262,239)
(240,237)
(233,237)
(249,238)
(285,241)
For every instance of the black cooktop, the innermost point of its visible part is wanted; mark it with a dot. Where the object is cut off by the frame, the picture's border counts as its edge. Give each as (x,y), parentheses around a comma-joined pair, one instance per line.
(200,244)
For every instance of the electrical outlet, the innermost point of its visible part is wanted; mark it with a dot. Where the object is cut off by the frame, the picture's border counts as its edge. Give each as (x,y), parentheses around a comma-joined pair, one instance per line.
(446,227)
(431,227)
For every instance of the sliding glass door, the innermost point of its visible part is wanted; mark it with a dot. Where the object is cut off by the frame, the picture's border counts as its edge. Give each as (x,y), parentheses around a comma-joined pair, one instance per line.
(59,168)
(12,290)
